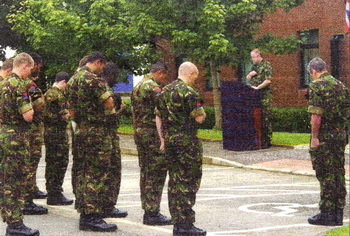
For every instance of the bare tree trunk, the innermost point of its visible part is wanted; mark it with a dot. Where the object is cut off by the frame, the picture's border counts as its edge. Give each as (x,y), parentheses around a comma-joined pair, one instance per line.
(216,95)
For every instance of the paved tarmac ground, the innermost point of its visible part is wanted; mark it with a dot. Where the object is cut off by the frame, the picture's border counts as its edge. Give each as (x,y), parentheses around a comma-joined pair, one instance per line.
(231,201)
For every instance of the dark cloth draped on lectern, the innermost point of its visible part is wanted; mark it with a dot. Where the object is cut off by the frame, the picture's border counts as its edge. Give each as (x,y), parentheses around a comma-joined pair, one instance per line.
(241,122)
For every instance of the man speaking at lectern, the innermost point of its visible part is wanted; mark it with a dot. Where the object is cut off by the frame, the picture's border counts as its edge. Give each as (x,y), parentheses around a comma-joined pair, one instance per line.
(260,77)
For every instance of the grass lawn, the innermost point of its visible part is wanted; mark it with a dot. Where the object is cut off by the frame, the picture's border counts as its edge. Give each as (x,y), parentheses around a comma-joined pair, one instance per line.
(278,138)
(343,231)
(290,139)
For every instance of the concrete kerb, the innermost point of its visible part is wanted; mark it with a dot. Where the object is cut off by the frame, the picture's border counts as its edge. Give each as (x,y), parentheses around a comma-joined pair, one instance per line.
(223,162)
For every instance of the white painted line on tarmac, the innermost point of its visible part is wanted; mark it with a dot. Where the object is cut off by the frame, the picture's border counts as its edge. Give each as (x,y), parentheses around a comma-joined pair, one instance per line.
(256,190)
(251,196)
(219,168)
(285,208)
(235,232)
(159,229)
(68,211)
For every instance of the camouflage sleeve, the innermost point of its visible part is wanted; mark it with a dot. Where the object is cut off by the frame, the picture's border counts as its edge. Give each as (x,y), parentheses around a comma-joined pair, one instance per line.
(62,104)
(315,100)
(35,94)
(70,93)
(195,105)
(102,90)
(160,105)
(23,99)
(265,71)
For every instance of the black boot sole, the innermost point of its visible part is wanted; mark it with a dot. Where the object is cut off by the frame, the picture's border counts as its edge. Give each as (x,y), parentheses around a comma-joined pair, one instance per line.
(9,234)
(35,213)
(157,223)
(322,223)
(95,229)
(59,203)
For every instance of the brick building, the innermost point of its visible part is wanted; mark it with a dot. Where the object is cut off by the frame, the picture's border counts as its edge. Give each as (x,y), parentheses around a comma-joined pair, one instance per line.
(322,21)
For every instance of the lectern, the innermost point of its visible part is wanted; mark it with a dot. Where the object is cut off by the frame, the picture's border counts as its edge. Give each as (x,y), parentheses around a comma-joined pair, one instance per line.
(241,118)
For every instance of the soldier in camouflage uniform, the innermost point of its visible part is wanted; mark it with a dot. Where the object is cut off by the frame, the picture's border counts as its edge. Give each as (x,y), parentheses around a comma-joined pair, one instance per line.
(180,109)
(36,133)
(110,76)
(89,98)
(260,77)
(152,162)
(55,117)
(16,113)
(76,167)
(35,141)
(329,106)
(6,69)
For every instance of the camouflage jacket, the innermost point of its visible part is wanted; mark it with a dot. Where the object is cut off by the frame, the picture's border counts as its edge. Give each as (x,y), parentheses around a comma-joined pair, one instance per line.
(264,70)
(55,108)
(329,98)
(143,101)
(37,99)
(86,94)
(14,100)
(112,117)
(178,106)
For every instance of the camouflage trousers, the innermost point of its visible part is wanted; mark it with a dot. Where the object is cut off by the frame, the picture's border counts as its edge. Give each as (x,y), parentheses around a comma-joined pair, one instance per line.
(14,153)
(56,158)
(116,168)
(184,155)
(328,163)
(35,142)
(93,149)
(266,116)
(153,168)
(77,163)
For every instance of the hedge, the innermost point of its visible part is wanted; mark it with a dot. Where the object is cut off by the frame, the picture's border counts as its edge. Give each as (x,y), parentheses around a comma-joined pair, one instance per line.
(294,120)
(283,119)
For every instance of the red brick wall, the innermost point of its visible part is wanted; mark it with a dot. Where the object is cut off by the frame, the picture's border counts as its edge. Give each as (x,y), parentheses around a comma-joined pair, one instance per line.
(326,16)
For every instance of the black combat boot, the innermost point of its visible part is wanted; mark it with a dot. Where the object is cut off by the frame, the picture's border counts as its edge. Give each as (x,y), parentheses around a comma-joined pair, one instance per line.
(187,229)
(40,195)
(58,200)
(152,218)
(94,222)
(339,216)
(115,213)
(20,229)
(324,218)
(30,208)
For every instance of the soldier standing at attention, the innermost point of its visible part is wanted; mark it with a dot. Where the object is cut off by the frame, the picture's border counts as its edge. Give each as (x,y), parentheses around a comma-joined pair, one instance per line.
(16,114)
(6,69)
(179,110)
(260,77)
(35,141)
(152,162)
(55,117)
(329,106)
(110,76)
(89,97)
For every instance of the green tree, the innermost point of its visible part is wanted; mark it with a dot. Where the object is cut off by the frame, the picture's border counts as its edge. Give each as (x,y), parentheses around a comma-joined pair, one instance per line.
(8,38)
(66,30)
(214,32)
